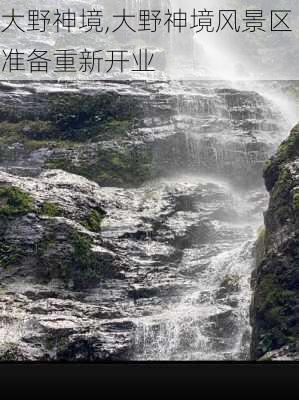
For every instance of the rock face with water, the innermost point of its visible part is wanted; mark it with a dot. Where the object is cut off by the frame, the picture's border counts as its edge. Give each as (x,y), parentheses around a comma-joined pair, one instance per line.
(275,306)
(128,216)
(71,293)
(124,134)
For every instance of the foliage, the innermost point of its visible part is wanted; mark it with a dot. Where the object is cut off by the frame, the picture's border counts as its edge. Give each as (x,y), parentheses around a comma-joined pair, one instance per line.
(275,302)
(287,152)
(9,255)
(84,267)
(94,220)
(61,120)
(296,200)
(73,262)
(282,186)
(50,209)
(14,201)
(110,167)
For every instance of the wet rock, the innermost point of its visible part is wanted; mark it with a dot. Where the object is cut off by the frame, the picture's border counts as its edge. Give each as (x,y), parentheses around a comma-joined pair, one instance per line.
(63,311)
(275,282)
(97,265)
(115,141)
(286,353)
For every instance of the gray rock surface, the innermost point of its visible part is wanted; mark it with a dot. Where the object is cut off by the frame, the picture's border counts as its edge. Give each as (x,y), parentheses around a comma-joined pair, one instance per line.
(157,269)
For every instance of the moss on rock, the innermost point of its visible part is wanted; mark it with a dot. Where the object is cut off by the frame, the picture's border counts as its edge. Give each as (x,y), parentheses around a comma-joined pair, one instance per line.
(73,261)
(14,201)
(260,250)
(110,167)
(94,220)
(50,209)
(9,255)
(60,120)
(295,202)
(287,152)
(276,279)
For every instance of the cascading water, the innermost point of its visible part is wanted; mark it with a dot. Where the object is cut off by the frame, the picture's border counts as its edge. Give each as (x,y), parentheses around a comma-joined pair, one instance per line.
(210,320)
(188,237)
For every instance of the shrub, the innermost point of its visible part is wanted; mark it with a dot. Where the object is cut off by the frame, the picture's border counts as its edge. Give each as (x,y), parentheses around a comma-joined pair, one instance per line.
(94,220)
(14,201)
(50,209)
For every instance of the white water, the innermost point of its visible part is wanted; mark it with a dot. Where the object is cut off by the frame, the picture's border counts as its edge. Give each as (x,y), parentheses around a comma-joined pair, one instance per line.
(201,324)
(211,321)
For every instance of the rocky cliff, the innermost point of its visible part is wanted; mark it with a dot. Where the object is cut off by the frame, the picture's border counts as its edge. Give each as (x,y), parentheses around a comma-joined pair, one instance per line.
(115,242)
(276,280)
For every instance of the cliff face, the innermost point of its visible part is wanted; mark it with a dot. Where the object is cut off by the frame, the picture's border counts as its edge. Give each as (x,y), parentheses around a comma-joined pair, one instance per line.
(275,310)
(122,135)
(101,261)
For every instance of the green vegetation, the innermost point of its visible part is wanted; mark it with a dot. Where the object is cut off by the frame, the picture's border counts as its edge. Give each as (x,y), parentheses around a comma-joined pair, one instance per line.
(50,209)
(14,201)
(296,200)
(274,312)
(289,149)
(77,111)
(38,129)
(287,152)
(281,197)
(83,267)
(25,131)
(276,292)
(61,163)
(94,220)
(11,130)
(32,145)
(9,255)
(77,117)
(260,251)
(282,187)
(110,168)
(74,262)
(64,120)
(267,166)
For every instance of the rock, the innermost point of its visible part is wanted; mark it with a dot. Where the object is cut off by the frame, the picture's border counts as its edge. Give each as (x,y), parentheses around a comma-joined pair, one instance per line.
(127,134)
(121,231)
(63,309)
(275,283)
(286,353)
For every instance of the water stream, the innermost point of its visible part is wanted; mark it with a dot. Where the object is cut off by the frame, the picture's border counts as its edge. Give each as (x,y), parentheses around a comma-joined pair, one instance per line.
(210,320)
(193,264)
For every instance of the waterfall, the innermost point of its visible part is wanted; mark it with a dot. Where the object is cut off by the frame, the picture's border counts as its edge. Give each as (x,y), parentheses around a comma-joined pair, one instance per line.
(183,242)
(221,130)
(210,320)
